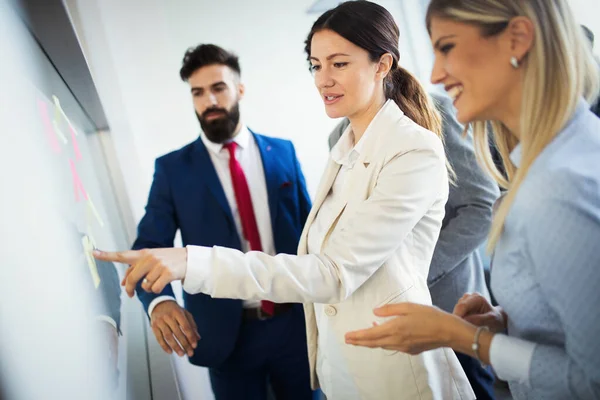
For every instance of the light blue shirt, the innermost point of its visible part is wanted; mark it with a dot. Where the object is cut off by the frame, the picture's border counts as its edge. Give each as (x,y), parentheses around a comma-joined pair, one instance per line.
(546,270)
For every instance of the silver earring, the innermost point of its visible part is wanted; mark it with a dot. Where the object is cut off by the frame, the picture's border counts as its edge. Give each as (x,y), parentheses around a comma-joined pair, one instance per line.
(514,62)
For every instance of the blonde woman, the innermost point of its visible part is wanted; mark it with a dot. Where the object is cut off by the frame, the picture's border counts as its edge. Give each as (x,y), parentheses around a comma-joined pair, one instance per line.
(525,66)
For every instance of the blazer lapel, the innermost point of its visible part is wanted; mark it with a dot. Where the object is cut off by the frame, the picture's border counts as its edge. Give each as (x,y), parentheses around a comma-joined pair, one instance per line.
(271,170)
(359,172)
(354,177)
(206,170)
(327,180)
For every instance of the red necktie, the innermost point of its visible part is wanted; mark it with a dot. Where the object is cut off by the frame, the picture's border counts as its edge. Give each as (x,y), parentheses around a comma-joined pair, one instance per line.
(244,203)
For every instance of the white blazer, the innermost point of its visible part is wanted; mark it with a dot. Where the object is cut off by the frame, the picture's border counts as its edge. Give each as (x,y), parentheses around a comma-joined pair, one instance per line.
(377,251)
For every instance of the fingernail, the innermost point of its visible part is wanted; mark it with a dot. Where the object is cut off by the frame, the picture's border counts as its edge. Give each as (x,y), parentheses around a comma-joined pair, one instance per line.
(194,345)
(97,252)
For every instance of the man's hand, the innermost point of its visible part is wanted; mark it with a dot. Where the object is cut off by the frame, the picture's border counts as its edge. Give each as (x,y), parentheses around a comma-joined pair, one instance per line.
(155,267)
(174,328)
(476,309)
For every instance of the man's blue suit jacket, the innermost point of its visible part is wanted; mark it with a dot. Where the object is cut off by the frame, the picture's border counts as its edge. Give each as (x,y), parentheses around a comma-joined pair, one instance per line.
(186,194)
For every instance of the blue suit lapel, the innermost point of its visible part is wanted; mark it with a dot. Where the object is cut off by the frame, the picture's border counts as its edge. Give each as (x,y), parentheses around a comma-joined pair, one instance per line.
(205,168)
(270,166)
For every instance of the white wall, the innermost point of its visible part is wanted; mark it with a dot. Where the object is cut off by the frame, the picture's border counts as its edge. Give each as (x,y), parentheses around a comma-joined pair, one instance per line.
(135,47)
(143,44)
(587,12)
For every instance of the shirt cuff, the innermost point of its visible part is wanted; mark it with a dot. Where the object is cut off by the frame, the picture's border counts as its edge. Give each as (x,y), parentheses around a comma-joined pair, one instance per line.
(198,271)
(108,319)
(157,301)
(511,358)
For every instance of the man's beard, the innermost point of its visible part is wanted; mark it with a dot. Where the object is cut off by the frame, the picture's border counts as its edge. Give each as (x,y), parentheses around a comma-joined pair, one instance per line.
(221,129)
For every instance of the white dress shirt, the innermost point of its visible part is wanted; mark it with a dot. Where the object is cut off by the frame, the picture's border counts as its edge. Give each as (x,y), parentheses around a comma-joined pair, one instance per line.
(248,155)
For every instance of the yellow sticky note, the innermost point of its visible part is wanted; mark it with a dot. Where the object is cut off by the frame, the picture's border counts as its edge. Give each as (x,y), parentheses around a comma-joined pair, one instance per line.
(88,248)
(58,111)
(59,133)
(93,210)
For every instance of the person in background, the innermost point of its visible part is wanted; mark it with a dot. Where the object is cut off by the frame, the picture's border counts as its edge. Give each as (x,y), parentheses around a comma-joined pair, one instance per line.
(371,233)
(233,188)
(527,67)
(590,35)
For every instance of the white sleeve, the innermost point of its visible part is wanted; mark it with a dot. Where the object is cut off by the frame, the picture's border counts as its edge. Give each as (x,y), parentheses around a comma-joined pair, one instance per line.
(108,320)
(157,301)
(197,275)
(511,358)
(406,188)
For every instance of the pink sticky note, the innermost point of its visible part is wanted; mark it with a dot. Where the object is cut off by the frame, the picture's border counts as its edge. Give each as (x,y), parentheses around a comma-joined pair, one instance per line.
(77,185)
(43,108)
(75,144)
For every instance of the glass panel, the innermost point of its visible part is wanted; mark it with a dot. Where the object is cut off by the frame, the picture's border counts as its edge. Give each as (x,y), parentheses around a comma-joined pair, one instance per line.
(63,307)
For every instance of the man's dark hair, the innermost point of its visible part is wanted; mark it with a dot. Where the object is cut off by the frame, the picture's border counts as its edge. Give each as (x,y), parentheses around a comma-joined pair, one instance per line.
(204,55)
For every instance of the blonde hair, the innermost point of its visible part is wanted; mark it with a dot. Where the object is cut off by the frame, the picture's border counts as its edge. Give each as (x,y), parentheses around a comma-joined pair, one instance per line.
(558,70)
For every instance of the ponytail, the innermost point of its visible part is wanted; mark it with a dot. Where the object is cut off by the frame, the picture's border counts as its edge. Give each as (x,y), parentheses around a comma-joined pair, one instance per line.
(409,94)
(402,87)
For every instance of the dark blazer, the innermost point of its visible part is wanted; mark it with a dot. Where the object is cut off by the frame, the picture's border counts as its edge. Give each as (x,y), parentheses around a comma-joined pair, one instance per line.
(186,194)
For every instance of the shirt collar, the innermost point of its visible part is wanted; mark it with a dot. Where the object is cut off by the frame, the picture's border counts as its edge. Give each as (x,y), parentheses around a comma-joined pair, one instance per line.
(345,152)
(516,154)
(242,139)
(343,147)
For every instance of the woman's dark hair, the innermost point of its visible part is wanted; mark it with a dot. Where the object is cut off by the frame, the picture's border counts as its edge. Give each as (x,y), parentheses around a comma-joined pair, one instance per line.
(204,55)
(372,28)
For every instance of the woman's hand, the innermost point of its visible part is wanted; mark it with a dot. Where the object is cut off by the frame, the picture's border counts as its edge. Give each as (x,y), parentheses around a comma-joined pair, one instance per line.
(477,310)
(157,267)
(417,328)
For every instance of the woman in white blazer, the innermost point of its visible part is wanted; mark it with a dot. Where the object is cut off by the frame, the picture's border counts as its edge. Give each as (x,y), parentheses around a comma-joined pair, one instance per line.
(369,238)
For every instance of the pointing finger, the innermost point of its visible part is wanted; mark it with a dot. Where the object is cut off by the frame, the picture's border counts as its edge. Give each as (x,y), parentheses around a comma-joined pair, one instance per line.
(124,257)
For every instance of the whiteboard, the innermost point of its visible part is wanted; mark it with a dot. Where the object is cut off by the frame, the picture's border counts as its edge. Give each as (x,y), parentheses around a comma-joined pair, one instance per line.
(66,329)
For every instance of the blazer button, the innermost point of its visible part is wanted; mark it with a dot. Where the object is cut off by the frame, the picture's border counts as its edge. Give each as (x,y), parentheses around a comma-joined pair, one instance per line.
(330,311)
